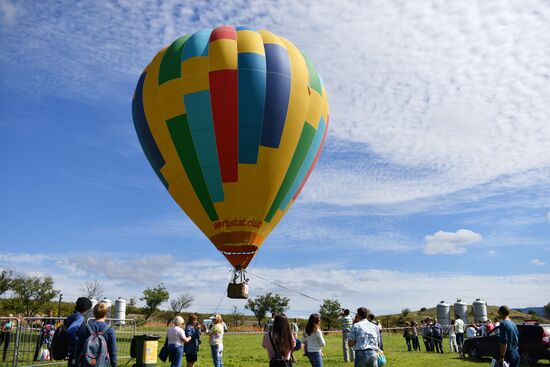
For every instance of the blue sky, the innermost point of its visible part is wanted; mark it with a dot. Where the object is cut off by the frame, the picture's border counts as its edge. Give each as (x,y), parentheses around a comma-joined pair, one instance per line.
(434,181)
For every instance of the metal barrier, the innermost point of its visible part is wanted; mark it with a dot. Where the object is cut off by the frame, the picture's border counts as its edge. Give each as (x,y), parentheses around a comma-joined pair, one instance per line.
(28,343)
(8,337)
(34,340)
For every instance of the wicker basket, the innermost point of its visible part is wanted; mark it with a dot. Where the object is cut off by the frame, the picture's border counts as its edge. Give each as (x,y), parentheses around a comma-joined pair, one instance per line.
(237,290)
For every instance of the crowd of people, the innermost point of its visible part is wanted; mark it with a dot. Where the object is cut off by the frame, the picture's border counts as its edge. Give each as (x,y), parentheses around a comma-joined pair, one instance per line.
(432,333)
(361,340)
(93,343)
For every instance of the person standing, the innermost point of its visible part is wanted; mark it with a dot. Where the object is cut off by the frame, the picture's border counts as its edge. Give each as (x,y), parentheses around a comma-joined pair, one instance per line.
(459,330)
(363,338)
(279,342)
(216,340)
(5,335)
(269,324)
(471,331)
(101,327)
(509,338)
(191,348)
(47,328)
(345,324)
(379,325)
(176,338)
(73,324)
(415,342)
(407,334)
(453,346)
(489,326)
(294,328)
(437,335)
(314,339)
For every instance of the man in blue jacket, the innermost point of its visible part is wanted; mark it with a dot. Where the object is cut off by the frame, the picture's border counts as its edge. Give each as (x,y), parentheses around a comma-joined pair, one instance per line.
(73,323)
(509,338)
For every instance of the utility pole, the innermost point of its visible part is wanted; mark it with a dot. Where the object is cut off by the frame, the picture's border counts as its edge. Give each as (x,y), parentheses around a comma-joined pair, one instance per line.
(59,304)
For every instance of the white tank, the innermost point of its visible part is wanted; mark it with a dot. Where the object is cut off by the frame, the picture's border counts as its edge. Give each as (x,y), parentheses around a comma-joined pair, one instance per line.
(444,314)
(90,313)
(461,309)
(108,302)
(480,310)
(120,310)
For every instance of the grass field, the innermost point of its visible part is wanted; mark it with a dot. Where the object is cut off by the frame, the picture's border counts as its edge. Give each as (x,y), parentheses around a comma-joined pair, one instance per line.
(246,351)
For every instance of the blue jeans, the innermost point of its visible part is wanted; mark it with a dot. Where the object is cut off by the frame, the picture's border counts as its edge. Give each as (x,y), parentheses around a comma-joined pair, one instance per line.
(460,341)
(512,357)
(366,358)
(315,358)
(176,353)
(217,351)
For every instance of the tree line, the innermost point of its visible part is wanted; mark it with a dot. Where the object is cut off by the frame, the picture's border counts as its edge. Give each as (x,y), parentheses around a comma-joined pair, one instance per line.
(31,295)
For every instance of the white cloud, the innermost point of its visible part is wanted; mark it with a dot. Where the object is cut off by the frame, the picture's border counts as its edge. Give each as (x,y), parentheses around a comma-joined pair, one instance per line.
(8,13)
(548,217)
(450,243)
(438,118)
(381,290)
(538,262)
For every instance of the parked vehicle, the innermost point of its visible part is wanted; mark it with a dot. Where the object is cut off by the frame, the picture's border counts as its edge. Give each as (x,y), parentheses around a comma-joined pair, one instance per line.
(534,344)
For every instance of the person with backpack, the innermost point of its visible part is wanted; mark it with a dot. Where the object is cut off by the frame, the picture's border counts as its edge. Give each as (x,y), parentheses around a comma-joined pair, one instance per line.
(65,337)
(279,342)
(313,336)
(96,346)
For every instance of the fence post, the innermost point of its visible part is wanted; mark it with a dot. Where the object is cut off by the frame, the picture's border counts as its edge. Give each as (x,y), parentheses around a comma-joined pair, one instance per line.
(16,347)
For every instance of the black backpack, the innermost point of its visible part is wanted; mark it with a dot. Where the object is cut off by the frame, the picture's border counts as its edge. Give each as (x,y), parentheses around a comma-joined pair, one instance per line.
(278,360)
(61,342)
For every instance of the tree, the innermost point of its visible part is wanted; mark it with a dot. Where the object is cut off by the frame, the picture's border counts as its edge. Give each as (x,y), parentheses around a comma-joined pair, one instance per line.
(547,310)
(93,289)
(268,302)
(32,292)
(237,316)
(179,304)
(132,305)
(5,281)
(329,311)
(153,298)
(405,311)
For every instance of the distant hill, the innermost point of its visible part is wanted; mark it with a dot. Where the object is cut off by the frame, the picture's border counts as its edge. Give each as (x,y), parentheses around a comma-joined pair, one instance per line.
(538,310)
(395,320)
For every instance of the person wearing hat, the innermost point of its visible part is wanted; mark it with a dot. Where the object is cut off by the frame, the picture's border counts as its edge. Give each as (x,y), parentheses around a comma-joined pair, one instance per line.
(73,323)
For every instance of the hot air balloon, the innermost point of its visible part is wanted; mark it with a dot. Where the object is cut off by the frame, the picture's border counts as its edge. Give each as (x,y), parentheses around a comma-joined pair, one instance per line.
(232,121)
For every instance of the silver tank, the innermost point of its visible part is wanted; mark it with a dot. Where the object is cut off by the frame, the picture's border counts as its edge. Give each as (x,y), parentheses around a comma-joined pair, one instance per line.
(120,310)
(444,314)
(480,310)
(90,313)
(461,309)
(108,302)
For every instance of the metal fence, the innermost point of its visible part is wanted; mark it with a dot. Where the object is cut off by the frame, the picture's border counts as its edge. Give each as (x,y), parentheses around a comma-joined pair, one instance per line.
(27,342)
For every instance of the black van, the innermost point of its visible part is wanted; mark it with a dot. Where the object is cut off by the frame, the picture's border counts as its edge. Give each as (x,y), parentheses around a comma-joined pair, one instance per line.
(534,344)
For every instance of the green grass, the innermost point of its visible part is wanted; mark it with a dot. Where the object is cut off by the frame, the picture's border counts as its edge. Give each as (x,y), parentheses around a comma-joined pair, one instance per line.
(246,351)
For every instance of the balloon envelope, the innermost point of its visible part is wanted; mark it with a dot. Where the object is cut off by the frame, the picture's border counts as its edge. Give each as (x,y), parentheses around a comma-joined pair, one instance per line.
(232,120)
